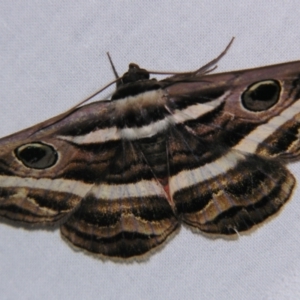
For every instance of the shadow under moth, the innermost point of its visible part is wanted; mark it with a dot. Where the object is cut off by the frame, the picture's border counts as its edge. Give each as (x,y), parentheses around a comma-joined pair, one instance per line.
(121,175)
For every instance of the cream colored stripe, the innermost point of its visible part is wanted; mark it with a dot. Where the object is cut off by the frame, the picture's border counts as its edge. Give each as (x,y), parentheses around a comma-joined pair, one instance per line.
(143,188)
(195,111)
(135,133)
(113,133)
(223,164)
(250,142)
(179,116)
(98,136)
(59,185)
(192,177)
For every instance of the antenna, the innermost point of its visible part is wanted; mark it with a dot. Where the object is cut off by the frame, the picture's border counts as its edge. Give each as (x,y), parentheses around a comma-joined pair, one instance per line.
(112,66)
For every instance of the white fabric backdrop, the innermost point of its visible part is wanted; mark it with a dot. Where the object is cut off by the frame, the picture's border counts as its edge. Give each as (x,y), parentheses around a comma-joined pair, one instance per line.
(53,54)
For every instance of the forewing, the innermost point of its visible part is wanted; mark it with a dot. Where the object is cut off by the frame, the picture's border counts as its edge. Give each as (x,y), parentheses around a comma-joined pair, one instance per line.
(258,113)
(34,187)
(79,170)
(231,175)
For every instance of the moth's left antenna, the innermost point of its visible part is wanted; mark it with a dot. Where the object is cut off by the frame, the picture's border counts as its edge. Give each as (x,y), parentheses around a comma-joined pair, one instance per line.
(112,66)
(72,109)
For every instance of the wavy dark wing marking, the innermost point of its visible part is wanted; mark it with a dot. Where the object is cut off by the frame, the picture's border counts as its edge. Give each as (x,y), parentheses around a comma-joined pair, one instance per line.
(131,212)
(221,197)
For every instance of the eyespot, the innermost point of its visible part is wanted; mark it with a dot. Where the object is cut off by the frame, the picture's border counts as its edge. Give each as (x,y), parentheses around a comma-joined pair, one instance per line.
(261,95)
(37,155)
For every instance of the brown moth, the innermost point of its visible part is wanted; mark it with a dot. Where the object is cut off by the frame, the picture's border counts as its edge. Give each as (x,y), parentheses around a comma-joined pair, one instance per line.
(121,175)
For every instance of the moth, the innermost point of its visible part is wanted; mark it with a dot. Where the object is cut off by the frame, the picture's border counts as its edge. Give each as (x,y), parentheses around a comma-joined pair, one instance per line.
(121,175)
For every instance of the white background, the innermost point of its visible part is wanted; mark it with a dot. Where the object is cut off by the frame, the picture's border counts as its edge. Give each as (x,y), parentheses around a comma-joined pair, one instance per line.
(53,54)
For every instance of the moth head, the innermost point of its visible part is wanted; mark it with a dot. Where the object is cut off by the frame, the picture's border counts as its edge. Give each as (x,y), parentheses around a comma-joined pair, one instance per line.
(135,81)
(36,155)
(261,95)
(134,73)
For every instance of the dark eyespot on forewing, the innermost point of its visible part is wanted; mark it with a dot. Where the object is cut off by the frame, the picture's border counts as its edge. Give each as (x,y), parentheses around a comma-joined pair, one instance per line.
(37,155)
(261,95)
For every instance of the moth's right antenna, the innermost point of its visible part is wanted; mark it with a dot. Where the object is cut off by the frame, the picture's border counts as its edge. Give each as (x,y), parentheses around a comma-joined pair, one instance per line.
(113,66)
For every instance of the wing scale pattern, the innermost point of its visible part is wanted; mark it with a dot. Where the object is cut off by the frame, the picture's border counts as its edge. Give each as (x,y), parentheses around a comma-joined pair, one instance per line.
(204,150)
